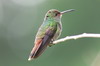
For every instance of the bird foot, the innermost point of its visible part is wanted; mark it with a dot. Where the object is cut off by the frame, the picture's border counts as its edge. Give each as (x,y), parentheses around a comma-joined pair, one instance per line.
(51,43)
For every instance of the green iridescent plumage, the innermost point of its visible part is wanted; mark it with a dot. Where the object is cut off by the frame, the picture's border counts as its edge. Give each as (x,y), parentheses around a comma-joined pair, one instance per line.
(49,31)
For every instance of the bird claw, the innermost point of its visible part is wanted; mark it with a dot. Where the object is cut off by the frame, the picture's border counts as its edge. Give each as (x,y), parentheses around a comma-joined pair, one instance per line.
(51,45)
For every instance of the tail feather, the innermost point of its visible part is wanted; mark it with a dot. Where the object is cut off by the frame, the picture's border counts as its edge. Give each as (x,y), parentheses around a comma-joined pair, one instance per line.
(35,49)
(43,46)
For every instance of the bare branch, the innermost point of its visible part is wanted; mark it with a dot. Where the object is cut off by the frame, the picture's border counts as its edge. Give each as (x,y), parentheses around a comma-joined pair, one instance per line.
(77,37)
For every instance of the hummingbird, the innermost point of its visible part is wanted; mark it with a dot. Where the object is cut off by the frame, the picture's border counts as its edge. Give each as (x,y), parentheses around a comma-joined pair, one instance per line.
(48,32)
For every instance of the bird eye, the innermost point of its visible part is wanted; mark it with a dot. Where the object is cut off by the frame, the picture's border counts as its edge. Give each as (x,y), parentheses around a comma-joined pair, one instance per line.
(56,14)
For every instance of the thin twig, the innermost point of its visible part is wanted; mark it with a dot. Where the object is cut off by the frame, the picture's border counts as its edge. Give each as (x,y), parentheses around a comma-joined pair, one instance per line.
(77,37)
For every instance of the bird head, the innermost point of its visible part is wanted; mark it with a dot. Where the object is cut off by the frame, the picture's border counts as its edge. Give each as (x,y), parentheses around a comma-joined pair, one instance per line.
(55,14)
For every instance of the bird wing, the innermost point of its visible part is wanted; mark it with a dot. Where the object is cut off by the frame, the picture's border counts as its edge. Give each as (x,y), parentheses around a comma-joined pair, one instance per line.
(42,42)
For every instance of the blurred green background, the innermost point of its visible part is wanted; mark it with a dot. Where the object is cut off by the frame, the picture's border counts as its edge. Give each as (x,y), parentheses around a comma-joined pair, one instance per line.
(20,20)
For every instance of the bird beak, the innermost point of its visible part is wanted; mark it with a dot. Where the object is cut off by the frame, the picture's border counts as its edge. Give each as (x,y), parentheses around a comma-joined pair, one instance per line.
(66,11)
